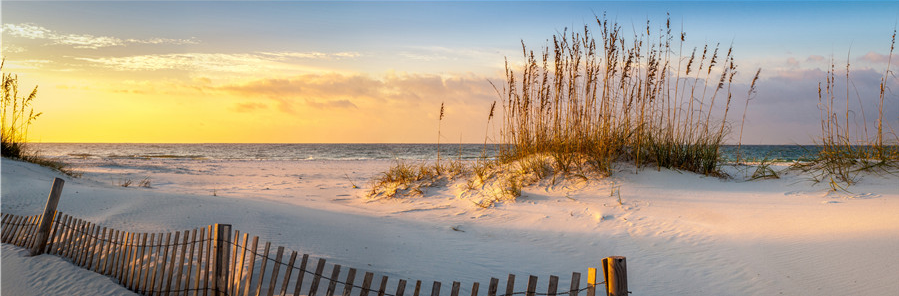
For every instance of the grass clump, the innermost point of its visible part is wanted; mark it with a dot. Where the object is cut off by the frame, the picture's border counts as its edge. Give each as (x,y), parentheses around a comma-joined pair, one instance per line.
(848,149)
(593,101)
(411,179)
(17,115)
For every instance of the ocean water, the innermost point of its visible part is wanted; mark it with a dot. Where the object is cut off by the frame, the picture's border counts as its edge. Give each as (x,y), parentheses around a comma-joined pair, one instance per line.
(300,152)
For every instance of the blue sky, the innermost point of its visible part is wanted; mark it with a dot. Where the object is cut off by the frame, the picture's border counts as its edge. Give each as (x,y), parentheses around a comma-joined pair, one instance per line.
(179,46)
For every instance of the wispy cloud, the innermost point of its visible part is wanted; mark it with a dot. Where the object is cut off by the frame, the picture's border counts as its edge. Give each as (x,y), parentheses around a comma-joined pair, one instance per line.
(878,58)
(310,55)
(88,41)
(336,91)
(265,62)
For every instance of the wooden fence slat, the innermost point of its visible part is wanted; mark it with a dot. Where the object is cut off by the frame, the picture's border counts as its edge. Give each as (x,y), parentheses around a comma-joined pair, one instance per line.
(120,248)
(348,284)
(510,285)
(54,233)
(313,287)
(135,259)
(366,283)
(23,231)
(553,286)
(28,238)
(455,289)
(68,233)
(75,241)
(494,284)
(93,234)
(107,254)
(9,223)
(185,289)
(171,272)
(58,232)
(238,268)
(616,276)
(152,256)
(417,288)
(157,261)
(83,242)
(166,264)
(591,281)
(5,226)
(98,249)
(3,223)
(30,232)
(199,279)
(141,266)
(575,284)
(233,264)
(108,237)
(251,266)
(332,285)
(221,250)
(383,288)
(179,273)
(401,287)
(117,259)
(13,226)
(287,273)
(262,265)
(95,243)
(474,288)
(435,289)
(300,275)
(73,238)
(532,286)
(207,266)
(275,270)
(129,259)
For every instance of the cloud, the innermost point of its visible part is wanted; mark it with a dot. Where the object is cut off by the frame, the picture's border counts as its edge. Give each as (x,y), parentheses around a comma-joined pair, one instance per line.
(242,63)
(31,31)
(181,61)
(878,58)
(249,107)
(310,55)
(815,58)
(338,91)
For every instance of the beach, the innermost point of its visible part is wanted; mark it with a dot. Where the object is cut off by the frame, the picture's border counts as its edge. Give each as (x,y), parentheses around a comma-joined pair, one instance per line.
(682,233)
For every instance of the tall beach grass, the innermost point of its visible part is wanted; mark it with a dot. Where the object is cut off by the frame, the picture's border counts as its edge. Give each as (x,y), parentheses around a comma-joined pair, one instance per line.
(17,116)
(590,101)
(847,147)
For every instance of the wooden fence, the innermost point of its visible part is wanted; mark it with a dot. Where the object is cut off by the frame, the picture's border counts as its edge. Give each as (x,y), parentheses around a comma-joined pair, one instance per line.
(215,260)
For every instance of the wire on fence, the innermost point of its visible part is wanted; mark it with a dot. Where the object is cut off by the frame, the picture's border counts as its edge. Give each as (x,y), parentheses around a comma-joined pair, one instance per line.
(81,231)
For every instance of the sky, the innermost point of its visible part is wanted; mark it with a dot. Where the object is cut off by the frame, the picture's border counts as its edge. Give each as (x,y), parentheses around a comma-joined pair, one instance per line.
(378,72)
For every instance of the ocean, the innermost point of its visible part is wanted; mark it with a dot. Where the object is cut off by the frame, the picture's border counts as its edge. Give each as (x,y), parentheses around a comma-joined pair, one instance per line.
(69,152)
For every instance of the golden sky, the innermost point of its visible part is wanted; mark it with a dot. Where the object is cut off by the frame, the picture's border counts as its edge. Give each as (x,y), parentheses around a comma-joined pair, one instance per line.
(364,72)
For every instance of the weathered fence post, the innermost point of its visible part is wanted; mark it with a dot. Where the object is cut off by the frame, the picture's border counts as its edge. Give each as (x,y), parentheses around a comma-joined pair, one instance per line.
(43,232)
(615,269)
(220,264)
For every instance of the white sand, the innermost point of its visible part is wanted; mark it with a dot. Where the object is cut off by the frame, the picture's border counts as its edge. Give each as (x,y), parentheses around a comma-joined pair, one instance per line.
(682,234)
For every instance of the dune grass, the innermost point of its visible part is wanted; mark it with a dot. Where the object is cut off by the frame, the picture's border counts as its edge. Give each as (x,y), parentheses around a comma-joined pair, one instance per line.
(848,149)
(17,115)
(591,101)
(584,103)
